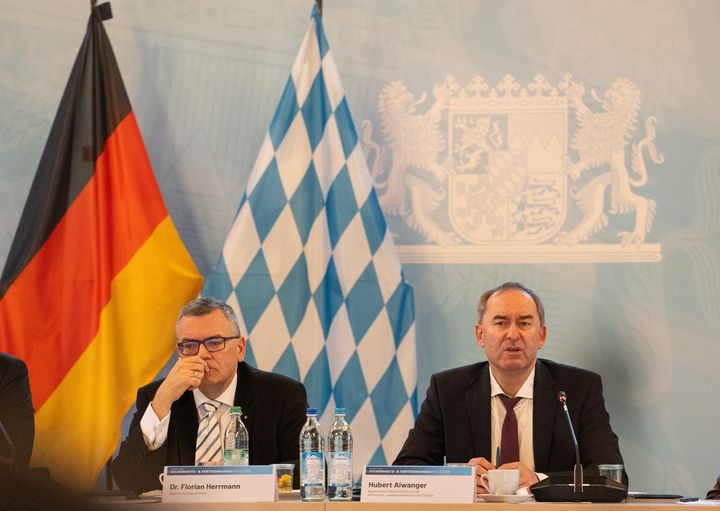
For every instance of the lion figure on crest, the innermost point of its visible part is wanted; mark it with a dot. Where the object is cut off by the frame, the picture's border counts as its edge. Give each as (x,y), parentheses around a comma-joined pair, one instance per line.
(601,139)
(416,143)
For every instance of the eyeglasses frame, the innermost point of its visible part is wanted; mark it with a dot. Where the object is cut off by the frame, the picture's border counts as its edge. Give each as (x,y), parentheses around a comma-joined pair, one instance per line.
(198,342)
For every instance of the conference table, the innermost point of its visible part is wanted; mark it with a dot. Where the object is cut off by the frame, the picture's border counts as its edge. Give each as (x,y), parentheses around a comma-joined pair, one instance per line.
(363,506)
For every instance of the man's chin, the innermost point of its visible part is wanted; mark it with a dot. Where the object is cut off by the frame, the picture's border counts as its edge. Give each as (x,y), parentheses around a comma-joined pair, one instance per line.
(206,382)
(515,365)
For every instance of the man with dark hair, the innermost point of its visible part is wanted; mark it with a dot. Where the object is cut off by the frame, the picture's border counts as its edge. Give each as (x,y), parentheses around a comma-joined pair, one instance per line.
(17,419)
(509,404)
(180,419)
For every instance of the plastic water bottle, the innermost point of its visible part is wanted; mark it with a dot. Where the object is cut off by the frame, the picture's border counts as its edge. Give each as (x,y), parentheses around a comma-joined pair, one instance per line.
(340,446)
(312,459)
(236,440)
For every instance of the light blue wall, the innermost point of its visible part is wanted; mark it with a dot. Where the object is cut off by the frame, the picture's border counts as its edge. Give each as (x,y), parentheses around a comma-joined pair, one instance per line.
(204,79)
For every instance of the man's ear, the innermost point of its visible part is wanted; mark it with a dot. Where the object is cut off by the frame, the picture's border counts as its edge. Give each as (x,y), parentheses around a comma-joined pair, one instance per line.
(479,335)
(543,333)
(241,346)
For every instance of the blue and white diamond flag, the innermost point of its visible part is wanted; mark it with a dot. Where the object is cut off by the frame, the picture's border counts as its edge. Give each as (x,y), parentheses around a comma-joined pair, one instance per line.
(312,270)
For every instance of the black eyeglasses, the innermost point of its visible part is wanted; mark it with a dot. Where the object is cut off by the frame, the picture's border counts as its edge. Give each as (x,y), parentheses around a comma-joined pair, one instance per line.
(214,343)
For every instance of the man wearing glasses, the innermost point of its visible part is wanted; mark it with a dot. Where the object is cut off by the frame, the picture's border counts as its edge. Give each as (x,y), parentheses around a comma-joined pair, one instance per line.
(180,420)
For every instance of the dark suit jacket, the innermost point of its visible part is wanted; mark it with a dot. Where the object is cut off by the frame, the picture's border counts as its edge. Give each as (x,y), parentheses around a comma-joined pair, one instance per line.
(454,420)
(273,409)
(16,411)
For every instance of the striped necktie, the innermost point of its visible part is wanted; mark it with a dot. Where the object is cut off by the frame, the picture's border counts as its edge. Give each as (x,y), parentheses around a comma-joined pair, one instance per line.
(208,449)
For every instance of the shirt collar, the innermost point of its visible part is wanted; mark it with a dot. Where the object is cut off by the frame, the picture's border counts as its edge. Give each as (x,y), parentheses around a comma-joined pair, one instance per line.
(526,391)
(227,397)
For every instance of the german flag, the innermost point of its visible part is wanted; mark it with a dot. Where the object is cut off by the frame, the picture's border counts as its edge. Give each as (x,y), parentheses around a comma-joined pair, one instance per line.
(96,273)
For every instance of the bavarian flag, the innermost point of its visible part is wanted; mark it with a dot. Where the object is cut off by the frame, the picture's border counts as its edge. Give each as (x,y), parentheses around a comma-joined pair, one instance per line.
(96,273)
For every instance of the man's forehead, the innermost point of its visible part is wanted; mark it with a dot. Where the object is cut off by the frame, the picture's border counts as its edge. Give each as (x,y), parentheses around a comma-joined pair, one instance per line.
(214,320)
(511,301)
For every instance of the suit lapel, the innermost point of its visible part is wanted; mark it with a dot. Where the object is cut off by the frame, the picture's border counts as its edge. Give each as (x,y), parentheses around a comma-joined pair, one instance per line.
(478,403)
(187,426)
(243,395)
(545,405)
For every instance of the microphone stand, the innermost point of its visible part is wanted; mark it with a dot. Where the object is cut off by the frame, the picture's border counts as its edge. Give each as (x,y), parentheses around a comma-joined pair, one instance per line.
(565,488)
(578,472)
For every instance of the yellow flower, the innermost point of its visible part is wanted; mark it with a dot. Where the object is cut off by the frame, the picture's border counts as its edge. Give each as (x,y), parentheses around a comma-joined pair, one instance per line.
(284,482)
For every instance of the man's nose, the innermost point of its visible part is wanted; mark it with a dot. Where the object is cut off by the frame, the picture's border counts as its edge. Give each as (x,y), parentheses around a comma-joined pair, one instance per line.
(513,332)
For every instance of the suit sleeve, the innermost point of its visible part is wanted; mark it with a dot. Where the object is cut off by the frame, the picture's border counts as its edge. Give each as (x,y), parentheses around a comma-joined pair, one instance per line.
(598,442)
(136,467)
(17,413)
(715,492)
(425,444)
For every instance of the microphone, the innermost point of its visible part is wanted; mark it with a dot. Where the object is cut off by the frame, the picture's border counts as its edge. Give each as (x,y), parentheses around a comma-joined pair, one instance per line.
(578,472)
(565,488)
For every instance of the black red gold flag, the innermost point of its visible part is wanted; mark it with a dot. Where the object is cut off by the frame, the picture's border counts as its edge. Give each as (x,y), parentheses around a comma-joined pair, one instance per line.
(96,272)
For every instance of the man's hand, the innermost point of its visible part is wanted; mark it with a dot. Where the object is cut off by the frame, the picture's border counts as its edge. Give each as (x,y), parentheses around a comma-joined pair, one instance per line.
(186,374)
(481,467)
(527,476)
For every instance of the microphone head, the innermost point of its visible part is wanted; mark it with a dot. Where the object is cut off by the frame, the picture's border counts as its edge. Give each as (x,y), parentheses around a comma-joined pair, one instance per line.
(562,397)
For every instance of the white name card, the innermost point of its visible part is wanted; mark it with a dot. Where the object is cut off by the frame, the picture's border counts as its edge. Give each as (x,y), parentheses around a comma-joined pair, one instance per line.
(253,483)
(447,484)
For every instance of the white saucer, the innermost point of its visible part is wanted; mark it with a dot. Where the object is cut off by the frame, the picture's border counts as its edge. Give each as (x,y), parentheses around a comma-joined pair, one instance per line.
(505,498)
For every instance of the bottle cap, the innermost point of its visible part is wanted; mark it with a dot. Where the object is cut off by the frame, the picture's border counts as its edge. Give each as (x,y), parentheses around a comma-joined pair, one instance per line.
(235,409)
(312,411)
(339,411)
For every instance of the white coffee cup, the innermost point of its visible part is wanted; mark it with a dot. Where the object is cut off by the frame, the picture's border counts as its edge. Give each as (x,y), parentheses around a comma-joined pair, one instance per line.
(501,482)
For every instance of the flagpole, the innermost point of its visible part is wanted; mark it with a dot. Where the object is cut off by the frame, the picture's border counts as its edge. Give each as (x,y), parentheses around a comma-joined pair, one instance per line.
(104,10)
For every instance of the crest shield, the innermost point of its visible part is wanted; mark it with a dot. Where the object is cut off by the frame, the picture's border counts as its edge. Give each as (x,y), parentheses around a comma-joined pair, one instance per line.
(506,182)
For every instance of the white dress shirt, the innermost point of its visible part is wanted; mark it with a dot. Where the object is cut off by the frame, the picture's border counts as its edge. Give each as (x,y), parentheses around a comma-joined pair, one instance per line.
(155,431)
(523,412)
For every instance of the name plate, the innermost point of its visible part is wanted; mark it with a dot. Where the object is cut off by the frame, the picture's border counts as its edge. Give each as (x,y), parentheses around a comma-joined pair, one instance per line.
(253,483)
(447,484)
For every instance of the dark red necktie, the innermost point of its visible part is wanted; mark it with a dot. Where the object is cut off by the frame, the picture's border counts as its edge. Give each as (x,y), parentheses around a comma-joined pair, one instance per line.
(509,444)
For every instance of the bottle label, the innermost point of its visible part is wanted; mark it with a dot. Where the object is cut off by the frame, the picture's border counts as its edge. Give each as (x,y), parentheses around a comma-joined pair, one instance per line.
(312,468)
(340,468)
(239,457)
